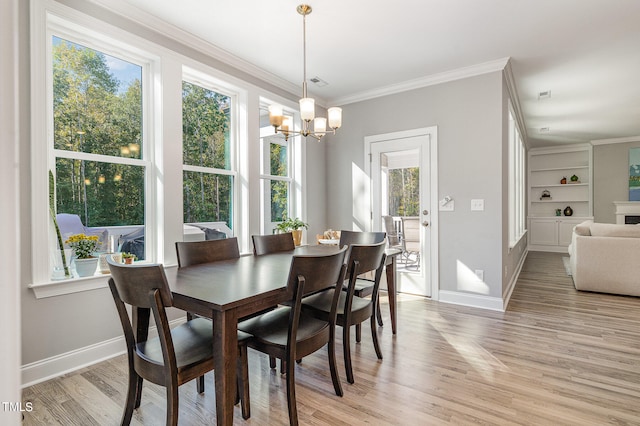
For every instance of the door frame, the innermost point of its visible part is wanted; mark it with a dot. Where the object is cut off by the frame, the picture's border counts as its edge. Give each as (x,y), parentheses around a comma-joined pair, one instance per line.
(432,134)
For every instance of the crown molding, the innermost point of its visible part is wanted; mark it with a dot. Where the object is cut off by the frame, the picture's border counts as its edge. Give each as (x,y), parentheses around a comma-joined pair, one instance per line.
(615,140)
(430,80)
(155,24)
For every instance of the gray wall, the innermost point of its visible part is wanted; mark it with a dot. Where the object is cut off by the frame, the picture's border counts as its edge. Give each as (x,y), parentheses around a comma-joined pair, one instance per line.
(610,178)
(469,115)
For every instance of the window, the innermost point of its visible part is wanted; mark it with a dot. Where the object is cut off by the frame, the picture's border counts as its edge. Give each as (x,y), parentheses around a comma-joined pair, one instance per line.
(275,175)
(100,171)
(516,183)
(208,153)
(91,127)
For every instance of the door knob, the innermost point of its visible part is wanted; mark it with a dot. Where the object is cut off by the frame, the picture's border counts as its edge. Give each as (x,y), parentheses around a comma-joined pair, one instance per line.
(425,212)
(425,223)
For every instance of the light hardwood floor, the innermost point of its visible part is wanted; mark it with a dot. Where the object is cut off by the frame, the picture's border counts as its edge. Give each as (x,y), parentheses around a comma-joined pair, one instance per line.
(556,357)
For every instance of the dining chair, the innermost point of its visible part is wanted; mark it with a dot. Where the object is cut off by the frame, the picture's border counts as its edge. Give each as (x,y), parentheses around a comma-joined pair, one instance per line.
(353,310)
(196,252)
(288,333)
(265,244)
(177,355)
(364,286)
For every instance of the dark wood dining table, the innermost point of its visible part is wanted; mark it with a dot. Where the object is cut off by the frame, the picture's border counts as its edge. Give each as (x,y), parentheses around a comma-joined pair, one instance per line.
(231,289)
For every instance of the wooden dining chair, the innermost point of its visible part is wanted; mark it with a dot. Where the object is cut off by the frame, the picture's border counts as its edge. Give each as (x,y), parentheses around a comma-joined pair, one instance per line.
(353,310)
(177,355)
(288,333)
(364,286)
(197,252)
(265,244)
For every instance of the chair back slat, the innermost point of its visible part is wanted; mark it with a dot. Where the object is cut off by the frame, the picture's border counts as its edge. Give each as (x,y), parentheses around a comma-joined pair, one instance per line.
(353,237)
(134,283)
(197,252)
(368,256)
(265,244)
(319,272)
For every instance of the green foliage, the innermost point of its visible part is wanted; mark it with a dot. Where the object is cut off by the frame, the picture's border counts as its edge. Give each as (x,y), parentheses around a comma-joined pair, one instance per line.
(279,189)
(404,192)
(289,224)
(206,143)
(92,115)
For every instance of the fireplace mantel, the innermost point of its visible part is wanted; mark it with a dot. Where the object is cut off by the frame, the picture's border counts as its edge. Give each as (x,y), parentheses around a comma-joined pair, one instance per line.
(626,208)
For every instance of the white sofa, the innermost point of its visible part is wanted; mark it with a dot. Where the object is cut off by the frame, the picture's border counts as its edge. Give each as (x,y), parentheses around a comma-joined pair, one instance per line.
(605,258)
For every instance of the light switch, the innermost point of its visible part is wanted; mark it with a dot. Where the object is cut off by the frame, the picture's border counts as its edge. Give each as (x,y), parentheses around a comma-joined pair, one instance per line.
(477,205)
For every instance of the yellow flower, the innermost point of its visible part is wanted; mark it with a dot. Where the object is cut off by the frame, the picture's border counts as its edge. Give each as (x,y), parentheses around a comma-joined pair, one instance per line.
(83,245)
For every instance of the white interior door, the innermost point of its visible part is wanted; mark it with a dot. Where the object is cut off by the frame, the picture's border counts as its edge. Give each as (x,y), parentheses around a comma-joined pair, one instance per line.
(401,186)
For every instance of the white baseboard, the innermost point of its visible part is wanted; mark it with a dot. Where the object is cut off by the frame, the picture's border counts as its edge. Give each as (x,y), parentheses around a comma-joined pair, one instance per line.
(473,300)
(55,366)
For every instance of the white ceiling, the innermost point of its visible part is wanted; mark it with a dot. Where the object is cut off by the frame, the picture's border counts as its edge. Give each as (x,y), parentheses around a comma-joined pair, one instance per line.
(586,52)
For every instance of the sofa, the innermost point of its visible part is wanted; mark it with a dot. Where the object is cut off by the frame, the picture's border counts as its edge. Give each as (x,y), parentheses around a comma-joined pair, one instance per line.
(605,258)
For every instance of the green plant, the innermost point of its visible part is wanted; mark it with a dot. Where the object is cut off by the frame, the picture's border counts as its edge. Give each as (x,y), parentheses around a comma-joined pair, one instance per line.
(126,255)
(291,224)
(52,213)
(83,245)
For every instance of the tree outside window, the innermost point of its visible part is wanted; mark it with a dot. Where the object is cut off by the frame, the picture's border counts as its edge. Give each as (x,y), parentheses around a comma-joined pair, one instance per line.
(97,136)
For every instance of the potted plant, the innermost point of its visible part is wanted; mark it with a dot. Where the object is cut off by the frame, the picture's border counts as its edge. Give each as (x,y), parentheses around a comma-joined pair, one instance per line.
(84,246)
(129,258)
(295,226)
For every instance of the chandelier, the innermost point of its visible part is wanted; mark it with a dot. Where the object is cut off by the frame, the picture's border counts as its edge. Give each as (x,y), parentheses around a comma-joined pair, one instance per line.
(282,124)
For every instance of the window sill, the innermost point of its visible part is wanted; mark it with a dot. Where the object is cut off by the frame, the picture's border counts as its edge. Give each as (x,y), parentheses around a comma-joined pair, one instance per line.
(513,244)
(75,285)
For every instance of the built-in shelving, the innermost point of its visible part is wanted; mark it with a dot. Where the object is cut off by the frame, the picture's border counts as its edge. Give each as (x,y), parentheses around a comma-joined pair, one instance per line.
(547,167)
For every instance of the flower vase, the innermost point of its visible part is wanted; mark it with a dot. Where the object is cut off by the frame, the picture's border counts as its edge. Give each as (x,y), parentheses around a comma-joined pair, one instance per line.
(86,267)
(58,270)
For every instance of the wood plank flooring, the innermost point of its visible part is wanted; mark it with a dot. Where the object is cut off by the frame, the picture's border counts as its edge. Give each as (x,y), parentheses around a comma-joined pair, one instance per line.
(556,357)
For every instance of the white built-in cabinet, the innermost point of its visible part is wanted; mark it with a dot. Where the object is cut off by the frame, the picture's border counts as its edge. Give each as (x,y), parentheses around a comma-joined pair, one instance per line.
(547,167)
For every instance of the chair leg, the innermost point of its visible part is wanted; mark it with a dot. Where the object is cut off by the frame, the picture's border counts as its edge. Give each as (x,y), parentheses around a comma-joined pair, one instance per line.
(138,391)
(379,313)
(131,398)
(346,345)
(272,362)
(358,333)
(291,392)
(331,349)
(374,337)
(243,382)
(189,316)
(283,366)
(172,404)
(200,384)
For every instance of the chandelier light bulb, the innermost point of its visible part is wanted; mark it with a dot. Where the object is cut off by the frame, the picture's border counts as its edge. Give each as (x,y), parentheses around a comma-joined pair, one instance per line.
(335,117)
(320,126)
(275,115)
(307,109)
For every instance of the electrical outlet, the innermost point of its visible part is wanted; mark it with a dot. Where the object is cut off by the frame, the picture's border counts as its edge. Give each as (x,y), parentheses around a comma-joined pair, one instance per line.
(480,274)
(506,271)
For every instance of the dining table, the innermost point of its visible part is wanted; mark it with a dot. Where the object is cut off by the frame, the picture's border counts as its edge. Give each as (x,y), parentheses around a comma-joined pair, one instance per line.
(229,290)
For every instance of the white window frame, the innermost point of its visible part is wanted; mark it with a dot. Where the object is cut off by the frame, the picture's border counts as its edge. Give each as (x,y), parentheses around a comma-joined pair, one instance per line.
(517,182)
(49,19)
(210,82)
(295,153)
